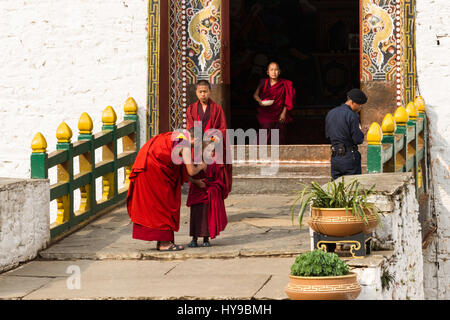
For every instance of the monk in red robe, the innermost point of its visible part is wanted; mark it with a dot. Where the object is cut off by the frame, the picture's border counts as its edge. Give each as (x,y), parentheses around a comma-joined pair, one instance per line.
(211,116)
(206,200)
(162,165)
(276,97)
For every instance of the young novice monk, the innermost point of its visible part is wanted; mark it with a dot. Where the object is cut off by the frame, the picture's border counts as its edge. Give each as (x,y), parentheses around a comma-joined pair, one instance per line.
(206,198)
(211,116)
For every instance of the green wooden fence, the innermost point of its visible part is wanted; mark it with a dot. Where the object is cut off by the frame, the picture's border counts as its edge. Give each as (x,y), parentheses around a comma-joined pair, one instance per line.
(63,158)
(400,143)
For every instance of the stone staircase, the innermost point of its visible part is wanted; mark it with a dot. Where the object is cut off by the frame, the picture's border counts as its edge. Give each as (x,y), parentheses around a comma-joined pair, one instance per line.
(280,171)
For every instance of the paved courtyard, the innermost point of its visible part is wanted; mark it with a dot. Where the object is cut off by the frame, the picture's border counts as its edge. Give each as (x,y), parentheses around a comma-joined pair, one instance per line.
(249,260)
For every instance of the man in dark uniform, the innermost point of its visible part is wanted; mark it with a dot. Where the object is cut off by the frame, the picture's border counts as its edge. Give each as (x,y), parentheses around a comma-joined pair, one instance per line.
(343,128)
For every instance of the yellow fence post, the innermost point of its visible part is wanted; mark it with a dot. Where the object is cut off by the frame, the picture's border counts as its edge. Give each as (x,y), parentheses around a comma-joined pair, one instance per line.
(85,149)
(388,127)
(64,173)
(39,157)
(401,119)
(129,141)
(85,127)
(413,114)
(109,151)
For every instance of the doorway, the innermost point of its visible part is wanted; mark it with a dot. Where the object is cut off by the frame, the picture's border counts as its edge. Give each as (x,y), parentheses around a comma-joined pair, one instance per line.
(316,44)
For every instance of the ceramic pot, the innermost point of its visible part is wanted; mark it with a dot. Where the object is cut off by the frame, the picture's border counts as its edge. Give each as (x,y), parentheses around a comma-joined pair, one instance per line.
(336,222)
(323,288)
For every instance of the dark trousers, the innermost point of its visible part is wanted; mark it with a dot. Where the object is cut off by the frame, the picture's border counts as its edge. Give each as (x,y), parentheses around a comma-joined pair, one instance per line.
(199,220)
(348,164)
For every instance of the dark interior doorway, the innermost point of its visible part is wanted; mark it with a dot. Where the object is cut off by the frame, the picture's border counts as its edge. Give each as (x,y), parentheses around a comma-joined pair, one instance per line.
(315,42)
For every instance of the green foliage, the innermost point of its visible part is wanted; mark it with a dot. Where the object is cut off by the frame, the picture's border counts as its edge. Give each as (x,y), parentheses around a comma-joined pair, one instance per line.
(335,195)
(318,263)
(386,280)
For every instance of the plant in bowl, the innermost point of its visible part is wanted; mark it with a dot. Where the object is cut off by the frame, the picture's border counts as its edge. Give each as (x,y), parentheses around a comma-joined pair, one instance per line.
(338,209)
(319,275)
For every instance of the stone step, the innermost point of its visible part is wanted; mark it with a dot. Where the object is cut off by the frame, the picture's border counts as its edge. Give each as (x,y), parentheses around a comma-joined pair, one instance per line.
(257,178)
(316,153)
(275,168)
(310,153)
(279,184)
(254,173)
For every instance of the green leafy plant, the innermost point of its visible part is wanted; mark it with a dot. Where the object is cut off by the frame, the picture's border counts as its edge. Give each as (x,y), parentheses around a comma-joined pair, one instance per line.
(318,263)
(335,195)
(386,279)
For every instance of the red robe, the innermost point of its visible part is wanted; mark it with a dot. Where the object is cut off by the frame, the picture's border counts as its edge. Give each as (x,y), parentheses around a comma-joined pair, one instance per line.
(154,194)
(213,118)
(213,195)
(284,95)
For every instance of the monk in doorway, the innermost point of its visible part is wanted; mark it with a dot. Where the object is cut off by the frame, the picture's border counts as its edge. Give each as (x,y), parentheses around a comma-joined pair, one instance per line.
(276,97)
(211,117)
(206,200)
(162,165)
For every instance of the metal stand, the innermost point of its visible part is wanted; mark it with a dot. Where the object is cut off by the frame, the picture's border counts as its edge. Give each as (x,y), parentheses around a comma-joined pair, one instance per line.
(360,244)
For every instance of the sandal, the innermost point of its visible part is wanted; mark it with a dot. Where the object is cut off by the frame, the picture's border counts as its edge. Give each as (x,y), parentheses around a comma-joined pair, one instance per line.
(173,247)
(158,244)
(193,244)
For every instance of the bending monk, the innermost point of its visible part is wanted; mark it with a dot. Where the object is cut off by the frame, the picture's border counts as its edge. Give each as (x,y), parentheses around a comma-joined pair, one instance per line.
(162,165)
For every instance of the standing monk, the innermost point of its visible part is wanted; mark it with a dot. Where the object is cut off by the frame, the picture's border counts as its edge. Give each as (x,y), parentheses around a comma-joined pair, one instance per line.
(275,96)
(206,199)
(343,128)
(162,165)
(211,116)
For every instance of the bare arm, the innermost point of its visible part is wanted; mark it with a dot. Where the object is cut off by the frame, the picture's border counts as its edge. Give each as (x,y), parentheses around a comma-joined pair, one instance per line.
(256,96)
(192,169)
(283,115)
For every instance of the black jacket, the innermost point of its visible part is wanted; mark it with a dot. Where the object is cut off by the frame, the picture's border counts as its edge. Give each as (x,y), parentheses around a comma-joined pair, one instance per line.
(342,126)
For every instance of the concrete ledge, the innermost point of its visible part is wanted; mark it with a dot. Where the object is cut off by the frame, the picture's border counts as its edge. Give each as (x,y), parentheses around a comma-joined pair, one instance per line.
(24,220)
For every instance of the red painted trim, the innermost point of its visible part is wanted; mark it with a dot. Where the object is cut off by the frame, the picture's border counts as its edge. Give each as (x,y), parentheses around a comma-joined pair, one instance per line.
(164,68)
(360,41)
(225,36)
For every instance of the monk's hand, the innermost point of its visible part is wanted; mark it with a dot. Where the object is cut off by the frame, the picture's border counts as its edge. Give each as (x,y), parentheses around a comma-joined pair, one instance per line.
(201,184)
(282,117)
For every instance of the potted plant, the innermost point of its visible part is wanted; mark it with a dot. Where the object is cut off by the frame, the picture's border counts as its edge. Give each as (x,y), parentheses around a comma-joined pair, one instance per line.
(339,209)
(319,275)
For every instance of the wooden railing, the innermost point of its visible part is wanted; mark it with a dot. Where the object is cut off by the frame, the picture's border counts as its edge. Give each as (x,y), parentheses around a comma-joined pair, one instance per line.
(400,144)
(63,158)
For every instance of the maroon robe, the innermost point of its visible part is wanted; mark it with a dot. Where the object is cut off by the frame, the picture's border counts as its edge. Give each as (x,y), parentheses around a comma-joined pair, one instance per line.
(283,94)
(213,118)
(207,204)
(154,194)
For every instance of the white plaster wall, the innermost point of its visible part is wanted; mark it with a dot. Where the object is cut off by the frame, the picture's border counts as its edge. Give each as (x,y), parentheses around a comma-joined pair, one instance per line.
(397,244)
(406,265)
(433,68)
(401,233)
(61,58)
(24,220)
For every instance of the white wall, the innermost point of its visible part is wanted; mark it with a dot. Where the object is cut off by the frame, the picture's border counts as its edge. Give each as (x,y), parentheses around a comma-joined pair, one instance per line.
(433,58)
(61,58)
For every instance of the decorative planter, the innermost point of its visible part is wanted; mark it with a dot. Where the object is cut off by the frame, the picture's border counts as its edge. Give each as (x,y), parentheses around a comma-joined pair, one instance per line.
(323,288)
(336,222)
